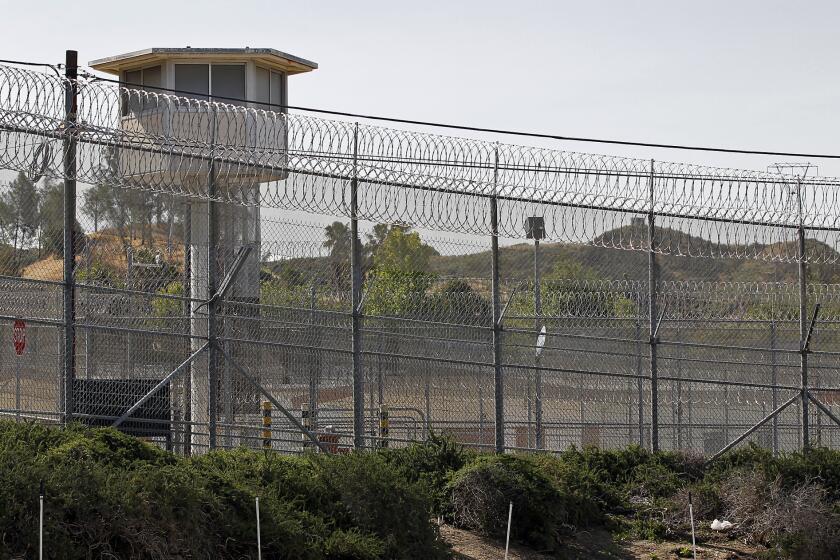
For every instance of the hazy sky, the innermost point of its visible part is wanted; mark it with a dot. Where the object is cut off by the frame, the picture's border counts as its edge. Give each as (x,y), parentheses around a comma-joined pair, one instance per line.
(747,74)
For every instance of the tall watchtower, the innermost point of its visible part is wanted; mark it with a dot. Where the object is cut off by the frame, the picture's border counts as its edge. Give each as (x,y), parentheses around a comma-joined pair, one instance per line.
(163,99)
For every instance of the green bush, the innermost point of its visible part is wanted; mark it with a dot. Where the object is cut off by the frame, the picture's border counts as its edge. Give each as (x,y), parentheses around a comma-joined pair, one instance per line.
(380,501)
(613,480)
(592,495)
(792,468)
(480,494)
(430,465)
(357,493)
(352,545)
(89,506)
(110,495)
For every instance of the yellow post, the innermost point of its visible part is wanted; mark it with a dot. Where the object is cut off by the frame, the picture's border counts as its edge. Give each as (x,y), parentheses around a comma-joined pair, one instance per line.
(306,420)
(384,425)
(266,430)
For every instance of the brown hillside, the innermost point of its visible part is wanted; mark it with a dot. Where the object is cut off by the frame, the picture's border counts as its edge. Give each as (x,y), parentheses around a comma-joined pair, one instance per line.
(106,248)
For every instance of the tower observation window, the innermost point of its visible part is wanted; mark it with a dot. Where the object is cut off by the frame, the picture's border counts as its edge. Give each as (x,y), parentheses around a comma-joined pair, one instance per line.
(144,79)
(271,90)
(224,82)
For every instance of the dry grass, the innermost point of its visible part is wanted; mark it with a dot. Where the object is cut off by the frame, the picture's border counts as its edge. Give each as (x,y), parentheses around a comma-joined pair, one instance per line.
(800,521)
(49,268)
(106,248)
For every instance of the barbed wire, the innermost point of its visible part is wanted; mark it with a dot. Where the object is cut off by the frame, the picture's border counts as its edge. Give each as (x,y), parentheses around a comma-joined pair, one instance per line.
(446,125)
(138,139)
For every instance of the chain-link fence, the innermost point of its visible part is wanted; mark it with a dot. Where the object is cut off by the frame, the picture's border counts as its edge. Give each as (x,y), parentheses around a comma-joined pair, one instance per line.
(570,299)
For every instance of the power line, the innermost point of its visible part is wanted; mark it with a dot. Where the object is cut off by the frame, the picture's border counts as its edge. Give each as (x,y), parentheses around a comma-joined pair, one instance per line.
(25,63)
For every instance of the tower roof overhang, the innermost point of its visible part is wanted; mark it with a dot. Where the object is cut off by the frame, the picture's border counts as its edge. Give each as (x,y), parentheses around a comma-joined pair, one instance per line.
(271,58)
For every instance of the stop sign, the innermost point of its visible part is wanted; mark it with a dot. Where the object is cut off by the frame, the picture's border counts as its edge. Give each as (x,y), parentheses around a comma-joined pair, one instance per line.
(19,336)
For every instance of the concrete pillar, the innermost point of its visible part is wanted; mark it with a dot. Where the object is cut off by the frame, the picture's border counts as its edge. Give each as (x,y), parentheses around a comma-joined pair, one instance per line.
(239,225)
(199,389)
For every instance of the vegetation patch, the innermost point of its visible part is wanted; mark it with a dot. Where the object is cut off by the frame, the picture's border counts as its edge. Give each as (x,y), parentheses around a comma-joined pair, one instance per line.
(111,495)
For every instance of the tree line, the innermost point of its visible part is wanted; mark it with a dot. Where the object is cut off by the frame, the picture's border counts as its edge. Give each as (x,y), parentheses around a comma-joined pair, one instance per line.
(32,215)
(399,279)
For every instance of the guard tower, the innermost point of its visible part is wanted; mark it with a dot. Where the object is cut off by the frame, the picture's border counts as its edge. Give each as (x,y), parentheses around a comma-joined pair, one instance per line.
(165,100)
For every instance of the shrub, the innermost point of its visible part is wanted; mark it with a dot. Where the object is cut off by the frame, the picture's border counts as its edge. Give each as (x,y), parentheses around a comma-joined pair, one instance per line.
(706,504)
(381,502)
(357,494)
(480,494)
(110,495)
(615,480)
(84,472)
(430,464)
(590,493)
(352,545)
(798,522)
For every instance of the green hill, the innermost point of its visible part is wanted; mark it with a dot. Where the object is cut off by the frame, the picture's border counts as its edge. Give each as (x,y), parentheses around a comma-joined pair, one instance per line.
(517,261)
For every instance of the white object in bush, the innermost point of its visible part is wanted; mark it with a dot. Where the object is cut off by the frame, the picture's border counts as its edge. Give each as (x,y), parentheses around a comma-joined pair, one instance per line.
(721,525)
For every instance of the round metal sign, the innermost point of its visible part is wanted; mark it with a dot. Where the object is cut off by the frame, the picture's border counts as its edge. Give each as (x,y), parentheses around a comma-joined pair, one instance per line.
(19,336)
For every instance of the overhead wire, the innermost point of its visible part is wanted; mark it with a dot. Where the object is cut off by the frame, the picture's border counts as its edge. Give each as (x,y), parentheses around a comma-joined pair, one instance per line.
(28,63)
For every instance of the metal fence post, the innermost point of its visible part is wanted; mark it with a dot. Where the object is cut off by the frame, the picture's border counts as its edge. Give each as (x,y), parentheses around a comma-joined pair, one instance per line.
(498,380)
(355,297)
(726,411)
(774,381)
(538,407)
(187,313)
(129,283)
(371,408)
(380,376)
(640,386)
(427,389)
(803,320)
(212,280)
(679,422)
(653,278)
(69,164)
(88,340)
(314,362)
